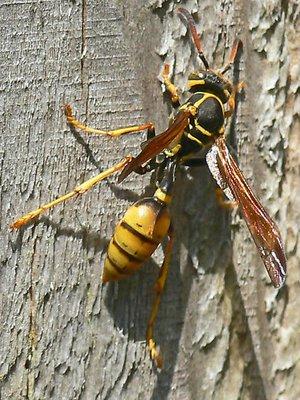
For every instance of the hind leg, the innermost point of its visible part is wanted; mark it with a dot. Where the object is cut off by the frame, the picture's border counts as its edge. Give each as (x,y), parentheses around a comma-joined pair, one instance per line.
(159,287)
(85,186)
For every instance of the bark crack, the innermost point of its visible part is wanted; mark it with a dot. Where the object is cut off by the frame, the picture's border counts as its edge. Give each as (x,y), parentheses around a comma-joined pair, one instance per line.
(32,332)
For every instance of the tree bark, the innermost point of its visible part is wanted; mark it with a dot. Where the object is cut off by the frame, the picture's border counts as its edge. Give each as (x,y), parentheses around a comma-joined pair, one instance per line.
(224,331)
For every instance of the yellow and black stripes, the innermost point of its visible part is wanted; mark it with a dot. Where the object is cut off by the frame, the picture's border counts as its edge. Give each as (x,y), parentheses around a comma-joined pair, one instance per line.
(209,119)
(137,235)
(204,126)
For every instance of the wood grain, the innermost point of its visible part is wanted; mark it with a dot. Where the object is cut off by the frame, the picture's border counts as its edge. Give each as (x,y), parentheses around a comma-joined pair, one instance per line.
(225,332)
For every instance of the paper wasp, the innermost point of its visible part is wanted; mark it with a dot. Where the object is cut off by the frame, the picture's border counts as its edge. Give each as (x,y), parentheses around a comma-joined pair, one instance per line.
(197,123)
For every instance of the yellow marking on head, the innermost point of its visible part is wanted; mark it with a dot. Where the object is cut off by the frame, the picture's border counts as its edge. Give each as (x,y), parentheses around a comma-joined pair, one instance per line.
(195,82)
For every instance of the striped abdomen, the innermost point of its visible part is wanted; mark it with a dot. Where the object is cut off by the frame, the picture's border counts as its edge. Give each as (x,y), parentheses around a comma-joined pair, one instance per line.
(136,237)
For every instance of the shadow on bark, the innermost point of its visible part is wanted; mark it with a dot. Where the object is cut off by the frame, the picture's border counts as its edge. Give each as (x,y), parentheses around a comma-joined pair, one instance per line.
(89,239)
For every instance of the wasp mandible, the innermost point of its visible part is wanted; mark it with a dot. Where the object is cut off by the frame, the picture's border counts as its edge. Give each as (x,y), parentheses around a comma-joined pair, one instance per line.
(197,123)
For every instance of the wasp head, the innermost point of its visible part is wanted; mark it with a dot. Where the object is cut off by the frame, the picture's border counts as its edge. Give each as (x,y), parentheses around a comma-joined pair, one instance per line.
(211,82)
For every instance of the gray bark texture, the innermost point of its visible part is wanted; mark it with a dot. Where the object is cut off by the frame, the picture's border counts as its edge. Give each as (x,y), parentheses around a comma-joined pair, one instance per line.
(224,331)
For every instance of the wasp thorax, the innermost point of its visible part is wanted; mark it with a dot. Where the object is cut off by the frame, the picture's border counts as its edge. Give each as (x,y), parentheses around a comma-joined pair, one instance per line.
(210,115)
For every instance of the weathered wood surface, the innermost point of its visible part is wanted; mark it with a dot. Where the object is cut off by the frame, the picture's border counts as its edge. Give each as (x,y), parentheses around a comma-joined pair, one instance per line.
(224,331)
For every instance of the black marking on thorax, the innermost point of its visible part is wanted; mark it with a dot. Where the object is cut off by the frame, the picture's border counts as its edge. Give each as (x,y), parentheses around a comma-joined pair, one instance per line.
(210,115)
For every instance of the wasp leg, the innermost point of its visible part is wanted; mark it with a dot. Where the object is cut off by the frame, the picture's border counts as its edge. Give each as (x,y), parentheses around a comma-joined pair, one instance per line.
(153,164)
(159,287)
(143,169)
(85,186)
(227,204)
(170,87)
(114,133)
(231,100)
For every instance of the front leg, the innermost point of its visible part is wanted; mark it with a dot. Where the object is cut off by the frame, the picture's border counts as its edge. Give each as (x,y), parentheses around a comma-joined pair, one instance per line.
(170,87)
(231,101)
(114,133)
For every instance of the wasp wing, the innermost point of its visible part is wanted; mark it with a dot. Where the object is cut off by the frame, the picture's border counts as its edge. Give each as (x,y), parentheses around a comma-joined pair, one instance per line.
(262,228)
(157,144)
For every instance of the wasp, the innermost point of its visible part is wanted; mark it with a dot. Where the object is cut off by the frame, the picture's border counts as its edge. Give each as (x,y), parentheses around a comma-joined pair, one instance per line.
(197,123)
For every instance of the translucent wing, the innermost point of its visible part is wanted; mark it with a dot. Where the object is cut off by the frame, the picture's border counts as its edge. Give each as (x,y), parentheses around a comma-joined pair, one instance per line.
(262,228)
(160,142)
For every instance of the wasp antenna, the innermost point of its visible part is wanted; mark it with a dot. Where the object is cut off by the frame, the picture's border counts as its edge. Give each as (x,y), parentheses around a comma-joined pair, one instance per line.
(195,35)
(237,44)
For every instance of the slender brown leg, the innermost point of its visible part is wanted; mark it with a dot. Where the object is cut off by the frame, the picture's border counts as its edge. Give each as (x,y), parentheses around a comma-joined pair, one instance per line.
(77,191)
(159,287)
(114,133)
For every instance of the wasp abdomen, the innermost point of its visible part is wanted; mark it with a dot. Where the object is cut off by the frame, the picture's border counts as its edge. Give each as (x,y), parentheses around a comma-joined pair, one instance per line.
(136,237)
